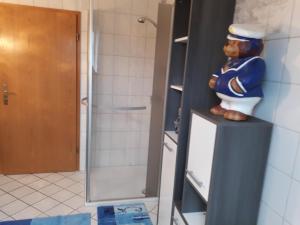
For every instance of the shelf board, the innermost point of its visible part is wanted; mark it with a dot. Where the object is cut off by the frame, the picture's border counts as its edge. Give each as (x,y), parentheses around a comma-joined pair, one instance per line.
(182,40)
(172,135)
(195,218)
(177,87)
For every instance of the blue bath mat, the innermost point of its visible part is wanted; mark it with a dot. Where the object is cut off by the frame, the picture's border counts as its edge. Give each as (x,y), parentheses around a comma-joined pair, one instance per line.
(135,214)
(79,219)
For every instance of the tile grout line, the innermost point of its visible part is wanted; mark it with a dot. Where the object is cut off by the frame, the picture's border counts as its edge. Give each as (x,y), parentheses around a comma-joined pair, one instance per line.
(46,196)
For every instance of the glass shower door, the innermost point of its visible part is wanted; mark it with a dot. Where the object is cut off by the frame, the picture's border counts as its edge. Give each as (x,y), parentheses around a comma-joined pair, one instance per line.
(120,90)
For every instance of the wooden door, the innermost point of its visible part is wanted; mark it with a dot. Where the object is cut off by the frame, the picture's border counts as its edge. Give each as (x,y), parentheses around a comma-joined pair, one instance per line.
(39,58)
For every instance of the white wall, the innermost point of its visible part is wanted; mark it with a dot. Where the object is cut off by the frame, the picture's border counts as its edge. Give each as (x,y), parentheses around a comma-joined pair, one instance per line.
(82,6)
(281,195)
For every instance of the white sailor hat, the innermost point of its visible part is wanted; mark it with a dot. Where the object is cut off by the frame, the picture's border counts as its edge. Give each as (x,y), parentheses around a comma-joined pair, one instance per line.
(246,32)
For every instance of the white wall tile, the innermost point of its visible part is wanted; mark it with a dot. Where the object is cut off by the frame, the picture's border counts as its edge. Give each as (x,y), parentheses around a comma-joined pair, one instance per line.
(120,101)
(288,110)
(120,85)
(135,121)
(119,140)
(266,109)
(282,155)
(123,6)
(286,223)
(70,4)
(268,217)
(84,41)
(84,20)
(255,11)
(102,158)
(152,9)
(295,26)
(122,24)
(144,136)
(139,7)
(274,55)
(82,150)
(106,5)
(83,65)
(41,3)
(296,174)
(104,84)
(150,31)
(57,4)
(117,158)
(104,122)
(133,140)
(104,140)
(121,65)
(122,45)
(276,188)
(150,48)
(138,46)
(84,4)
(147,86)
(136,86)
(149,68)
(104,103)
(293,205)
(24,2)
(279,18)
(107,22)
(119,122)
(106,64)
(292,65)
(136,67)
(83,84)
(83,123)
(107,44)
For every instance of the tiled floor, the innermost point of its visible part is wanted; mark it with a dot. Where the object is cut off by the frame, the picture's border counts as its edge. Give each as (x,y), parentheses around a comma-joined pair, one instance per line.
(42,195)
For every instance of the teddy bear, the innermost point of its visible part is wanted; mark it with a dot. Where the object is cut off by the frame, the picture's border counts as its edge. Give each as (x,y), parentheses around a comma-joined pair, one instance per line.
(239,82)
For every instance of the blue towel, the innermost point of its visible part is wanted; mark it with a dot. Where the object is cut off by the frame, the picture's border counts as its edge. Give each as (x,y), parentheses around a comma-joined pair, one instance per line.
(78,219)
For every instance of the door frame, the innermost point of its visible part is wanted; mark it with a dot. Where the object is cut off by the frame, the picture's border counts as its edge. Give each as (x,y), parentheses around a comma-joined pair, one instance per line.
(78,71)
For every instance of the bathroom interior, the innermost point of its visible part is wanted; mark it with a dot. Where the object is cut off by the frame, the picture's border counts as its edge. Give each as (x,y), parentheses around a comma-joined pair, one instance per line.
(107,103)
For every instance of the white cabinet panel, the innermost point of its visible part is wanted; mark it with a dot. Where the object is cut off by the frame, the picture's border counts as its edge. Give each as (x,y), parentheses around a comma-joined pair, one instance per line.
(201,150)
(167,182)
(177,219)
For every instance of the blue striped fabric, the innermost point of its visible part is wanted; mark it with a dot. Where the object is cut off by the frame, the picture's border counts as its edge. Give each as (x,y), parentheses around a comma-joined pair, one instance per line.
(78,219)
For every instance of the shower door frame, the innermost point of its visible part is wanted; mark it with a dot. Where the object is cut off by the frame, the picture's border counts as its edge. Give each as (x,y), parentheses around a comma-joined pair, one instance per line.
(89,99)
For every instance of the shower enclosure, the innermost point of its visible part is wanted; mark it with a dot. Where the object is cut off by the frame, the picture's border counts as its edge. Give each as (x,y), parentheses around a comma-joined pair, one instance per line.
(120,88)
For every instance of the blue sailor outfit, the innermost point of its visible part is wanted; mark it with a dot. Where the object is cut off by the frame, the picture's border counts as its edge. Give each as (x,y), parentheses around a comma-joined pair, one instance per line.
(248,72)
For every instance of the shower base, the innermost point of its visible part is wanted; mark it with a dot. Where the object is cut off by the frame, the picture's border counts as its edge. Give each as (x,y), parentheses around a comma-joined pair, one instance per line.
(116,183)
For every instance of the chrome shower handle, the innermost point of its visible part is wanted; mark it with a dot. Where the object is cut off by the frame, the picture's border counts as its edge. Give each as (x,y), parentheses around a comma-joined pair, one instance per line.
(132,108)
(84,101)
